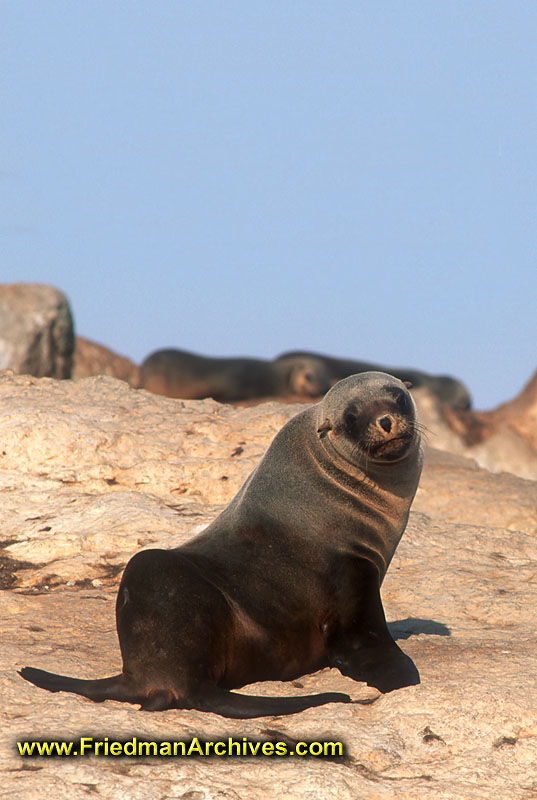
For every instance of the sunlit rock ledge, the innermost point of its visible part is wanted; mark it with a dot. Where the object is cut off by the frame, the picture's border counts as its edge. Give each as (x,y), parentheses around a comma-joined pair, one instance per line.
(92,471)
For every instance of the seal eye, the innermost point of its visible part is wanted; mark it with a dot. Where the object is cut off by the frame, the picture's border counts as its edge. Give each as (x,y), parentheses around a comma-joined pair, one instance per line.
(350,420)
(403,402)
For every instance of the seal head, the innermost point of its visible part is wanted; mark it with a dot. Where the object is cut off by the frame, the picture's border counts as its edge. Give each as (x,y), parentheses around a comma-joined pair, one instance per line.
(377,425)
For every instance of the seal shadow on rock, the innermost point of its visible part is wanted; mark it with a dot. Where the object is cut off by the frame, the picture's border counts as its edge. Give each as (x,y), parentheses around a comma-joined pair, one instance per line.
(286,581)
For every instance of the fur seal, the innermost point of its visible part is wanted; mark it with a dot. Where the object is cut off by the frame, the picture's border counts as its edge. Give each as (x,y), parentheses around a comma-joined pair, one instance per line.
(178,373)
(287,579)
(448,390)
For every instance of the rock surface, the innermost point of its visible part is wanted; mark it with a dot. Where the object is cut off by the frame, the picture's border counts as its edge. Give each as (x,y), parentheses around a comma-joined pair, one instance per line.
(518,414)
(91,471)
(504,439)
(91,358)
(36,330)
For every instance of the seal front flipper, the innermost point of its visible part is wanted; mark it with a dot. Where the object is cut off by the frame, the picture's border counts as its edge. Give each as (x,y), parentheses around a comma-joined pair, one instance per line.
(382,665)
(244,706)
(362,647)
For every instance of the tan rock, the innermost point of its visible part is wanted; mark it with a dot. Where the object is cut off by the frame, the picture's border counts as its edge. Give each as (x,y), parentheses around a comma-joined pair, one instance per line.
(518,415)
(91,358)
(504,439)
(36,330)
(91,471)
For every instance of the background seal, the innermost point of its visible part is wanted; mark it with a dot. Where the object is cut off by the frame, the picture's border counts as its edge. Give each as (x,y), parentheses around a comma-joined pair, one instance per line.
(448,390)
(178,373)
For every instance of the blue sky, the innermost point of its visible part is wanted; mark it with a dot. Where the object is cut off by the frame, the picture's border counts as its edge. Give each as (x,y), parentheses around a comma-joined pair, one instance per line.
(243,178)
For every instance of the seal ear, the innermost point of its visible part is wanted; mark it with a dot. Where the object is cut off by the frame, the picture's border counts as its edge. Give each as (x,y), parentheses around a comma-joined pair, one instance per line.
(323,429)
(408,384)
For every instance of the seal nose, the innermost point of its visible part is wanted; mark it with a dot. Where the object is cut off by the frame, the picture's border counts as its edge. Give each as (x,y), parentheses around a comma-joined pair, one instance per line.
(385,423)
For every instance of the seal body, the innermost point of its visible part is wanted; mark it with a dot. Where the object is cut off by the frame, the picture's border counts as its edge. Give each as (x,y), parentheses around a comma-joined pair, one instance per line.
(448,390)
(178,373)
(287,579)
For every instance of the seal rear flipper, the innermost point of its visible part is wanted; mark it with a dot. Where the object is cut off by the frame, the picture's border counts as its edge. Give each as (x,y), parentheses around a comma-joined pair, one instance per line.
(243,706)
(117,687)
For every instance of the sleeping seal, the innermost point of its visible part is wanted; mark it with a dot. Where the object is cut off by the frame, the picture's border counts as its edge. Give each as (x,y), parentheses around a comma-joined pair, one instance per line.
(447,389)
(178,373)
